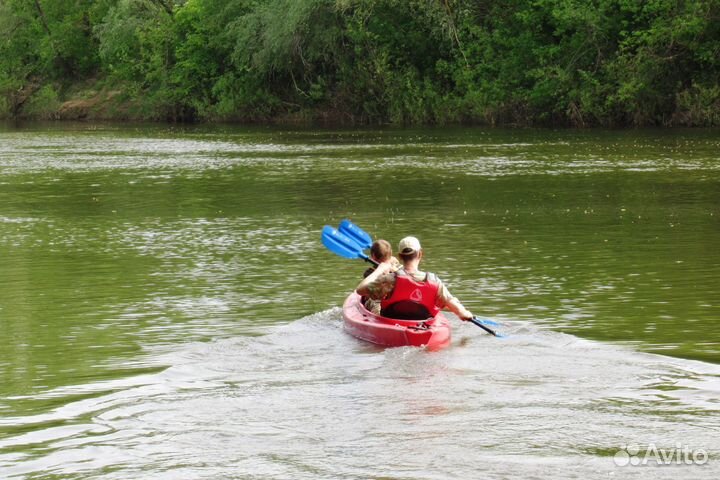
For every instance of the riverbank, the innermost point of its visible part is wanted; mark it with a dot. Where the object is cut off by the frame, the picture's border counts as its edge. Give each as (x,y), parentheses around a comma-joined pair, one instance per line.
(100,103)
(375,62)
(105,100)
(96,102)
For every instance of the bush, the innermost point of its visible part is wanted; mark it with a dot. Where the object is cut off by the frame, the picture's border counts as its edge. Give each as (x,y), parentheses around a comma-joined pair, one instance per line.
(43,104)
(698,106)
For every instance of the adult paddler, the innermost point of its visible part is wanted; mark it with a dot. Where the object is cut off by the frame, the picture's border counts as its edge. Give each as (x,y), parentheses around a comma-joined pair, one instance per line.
(410,293)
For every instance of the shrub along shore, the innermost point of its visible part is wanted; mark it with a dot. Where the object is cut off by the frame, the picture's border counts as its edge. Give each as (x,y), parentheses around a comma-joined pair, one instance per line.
(495,62)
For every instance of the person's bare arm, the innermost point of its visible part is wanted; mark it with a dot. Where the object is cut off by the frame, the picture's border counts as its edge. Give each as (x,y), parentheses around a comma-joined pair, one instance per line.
(365,288)
(458,309)
(447,300)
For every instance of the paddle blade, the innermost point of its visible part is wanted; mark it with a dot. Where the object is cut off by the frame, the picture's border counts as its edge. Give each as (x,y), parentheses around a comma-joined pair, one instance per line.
(342,245)
(356,234)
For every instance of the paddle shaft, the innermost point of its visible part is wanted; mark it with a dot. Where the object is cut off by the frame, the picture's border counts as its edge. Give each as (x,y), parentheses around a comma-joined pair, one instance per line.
(480,324)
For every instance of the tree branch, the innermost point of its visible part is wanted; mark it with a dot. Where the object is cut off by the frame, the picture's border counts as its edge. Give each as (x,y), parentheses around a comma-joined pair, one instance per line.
(41,15)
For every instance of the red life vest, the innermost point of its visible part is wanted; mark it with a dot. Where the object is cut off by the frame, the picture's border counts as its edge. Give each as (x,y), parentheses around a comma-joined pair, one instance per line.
(410,299)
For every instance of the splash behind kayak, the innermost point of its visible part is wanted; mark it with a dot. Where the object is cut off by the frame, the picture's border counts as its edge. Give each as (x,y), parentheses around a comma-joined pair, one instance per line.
(433,333)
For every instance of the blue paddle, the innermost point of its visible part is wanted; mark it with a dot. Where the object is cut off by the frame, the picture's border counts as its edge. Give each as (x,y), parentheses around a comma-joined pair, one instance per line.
(352,231)
(342,245)
(482,323)
(487,321)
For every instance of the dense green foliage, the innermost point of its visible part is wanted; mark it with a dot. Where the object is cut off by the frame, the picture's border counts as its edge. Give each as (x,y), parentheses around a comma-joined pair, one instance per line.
(559,62)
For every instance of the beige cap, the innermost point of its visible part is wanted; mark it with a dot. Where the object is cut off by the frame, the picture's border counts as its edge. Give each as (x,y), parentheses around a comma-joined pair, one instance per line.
(409,245)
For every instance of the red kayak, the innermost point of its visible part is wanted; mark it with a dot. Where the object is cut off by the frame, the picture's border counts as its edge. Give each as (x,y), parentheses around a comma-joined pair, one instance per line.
(433,333)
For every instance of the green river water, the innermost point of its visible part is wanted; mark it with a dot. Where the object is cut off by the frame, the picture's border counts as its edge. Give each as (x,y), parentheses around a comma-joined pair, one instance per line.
(157,281)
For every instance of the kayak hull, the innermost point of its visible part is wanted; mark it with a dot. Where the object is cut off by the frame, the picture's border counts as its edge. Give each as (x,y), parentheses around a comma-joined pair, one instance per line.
(359,322)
